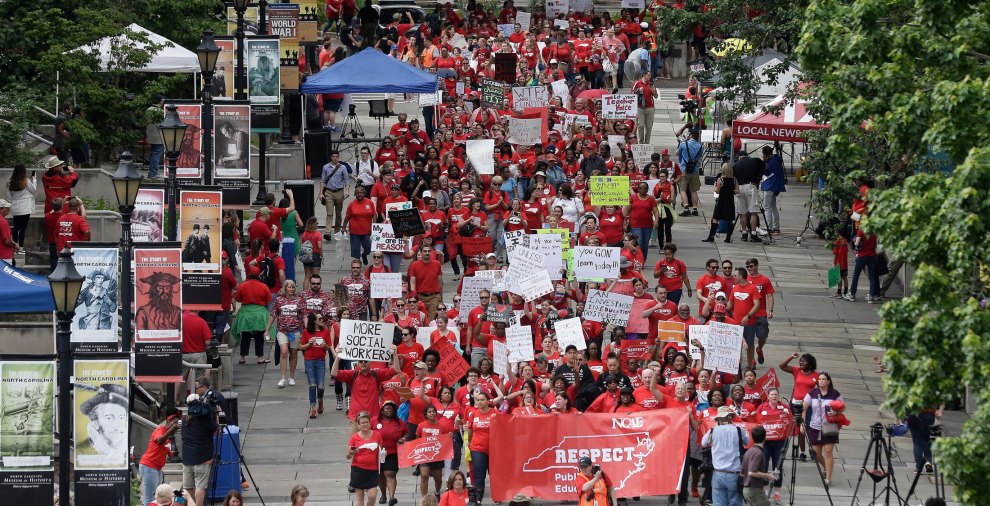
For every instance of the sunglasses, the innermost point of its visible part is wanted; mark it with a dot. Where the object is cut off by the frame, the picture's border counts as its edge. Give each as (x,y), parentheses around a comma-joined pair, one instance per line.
(750,265)
(710,266)
(377,256)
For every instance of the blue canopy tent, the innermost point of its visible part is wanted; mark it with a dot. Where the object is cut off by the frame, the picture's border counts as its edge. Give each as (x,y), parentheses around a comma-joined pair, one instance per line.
(370,71)
(23,292)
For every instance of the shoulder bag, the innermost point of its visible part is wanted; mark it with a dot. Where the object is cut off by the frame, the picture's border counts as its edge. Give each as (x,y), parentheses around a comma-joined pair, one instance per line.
(829,429)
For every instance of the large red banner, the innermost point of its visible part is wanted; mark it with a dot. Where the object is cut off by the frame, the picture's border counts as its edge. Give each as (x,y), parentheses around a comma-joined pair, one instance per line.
(426,449)
(767,381)
(642,453)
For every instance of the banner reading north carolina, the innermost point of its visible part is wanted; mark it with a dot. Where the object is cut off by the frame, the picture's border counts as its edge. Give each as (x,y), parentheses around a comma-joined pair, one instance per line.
(642,453)
(27,394)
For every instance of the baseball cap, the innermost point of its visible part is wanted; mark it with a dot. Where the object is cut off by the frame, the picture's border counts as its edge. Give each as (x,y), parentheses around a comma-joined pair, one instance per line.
(725,412)
(491,255)
(584,461)
(624,263)
(719,308)
(4,203)
(664,151)
(553,61)
(420,365)
(720,294)
(264,210)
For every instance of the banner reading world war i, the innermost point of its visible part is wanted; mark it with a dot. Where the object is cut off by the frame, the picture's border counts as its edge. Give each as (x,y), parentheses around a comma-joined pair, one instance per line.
(231,152)
(199,230)
(27,404)
(158,320)
(261,57)
(283,21)
(189,164)
(94,326)
(149,214)
(101,431)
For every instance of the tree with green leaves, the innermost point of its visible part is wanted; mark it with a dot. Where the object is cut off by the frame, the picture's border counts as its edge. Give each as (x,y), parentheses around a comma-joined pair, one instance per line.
(908,79)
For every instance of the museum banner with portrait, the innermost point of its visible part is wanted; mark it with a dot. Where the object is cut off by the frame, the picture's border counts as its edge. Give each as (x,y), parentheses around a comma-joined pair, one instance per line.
(158,317)
(262,60)
(199,230)
(149,214)
(100,428)
(94,326)
(190,162)
(232,152)
(27,394)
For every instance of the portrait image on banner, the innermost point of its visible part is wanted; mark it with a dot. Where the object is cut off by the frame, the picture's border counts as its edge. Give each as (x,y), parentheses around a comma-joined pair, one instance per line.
(94,326)
(231,140)
(27,394)
(222,86)
(149,214)
(261,56)
(190,153)
(158,295)
(200,230)
(101,414)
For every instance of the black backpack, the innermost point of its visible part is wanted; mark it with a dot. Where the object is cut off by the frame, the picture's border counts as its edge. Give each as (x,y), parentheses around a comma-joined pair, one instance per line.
(269,274)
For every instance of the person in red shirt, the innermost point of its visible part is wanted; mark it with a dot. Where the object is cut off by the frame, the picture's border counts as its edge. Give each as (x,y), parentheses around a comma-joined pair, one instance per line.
(776,414)
(51,230)
(607,400)
(672,273)
(805,380)
(196,335)
(865,246)
(643,396)
(262,228)
(744,303)
(662,310)
(709,283)
(278,213)
(394,432)
(253,292)
(8,246)
(158,451)
(72,226)
(479,424)
(366,383)
(426,279)
(457,492)
(363,450)
(360,213)
(646,93)
(765,311)
(643,216)
(58,180)
(314,343)
(409,350)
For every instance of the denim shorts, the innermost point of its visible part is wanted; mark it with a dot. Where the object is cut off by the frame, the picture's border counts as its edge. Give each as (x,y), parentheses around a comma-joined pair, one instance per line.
(749,334)
(762,327)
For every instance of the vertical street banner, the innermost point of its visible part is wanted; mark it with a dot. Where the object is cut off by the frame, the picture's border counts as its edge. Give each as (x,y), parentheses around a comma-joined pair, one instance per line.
(283,21)
(231,152)
(27,417)
(100,430)
(158,319)
(222,86)
(189,163)
(250,20)
(149,215)
(261,57)
(641,454)
(199,230)
(94,326)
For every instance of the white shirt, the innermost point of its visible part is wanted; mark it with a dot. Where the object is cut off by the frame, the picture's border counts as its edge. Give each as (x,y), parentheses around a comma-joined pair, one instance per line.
(367,172)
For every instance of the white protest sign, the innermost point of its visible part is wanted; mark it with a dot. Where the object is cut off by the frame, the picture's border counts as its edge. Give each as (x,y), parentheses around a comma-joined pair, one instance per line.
(459,88)
(385,285)
(458,41)
(470,289)
(530,96)
(699,332)
(556,8)
(497,277)
(383,239)
(615,143)
(481,154)
(723,346)
(506,29)
(571,120)
(548,246)
(651,184)
(593,262)
(607,307)
(369,341)
(569,332)
(524,261)
(515,238)
(581,5)
(431,99)
(524,19)
(560,89)
(621,106)
(519,340)
(633,4)
(525,132)
(500,359)
(642,154)
(423,336)
(562,24)
(535,285)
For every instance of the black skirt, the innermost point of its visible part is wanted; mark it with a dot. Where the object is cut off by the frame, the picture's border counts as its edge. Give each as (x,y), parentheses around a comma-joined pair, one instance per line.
(363,479)
(391,462)
(725,205)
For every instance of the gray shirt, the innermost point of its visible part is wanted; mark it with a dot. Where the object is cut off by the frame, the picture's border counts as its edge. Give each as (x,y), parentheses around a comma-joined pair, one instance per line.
(724,442)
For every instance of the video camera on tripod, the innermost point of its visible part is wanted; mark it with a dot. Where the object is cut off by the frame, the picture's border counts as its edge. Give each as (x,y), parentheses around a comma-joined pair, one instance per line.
(688,105)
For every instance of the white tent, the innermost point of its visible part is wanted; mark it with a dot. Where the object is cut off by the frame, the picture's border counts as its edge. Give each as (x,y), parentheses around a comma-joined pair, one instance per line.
(171,58)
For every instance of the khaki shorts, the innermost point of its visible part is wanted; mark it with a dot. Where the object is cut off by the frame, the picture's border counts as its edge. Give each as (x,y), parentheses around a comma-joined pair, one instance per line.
(283,338)
(747,200)
(690,182)
(196,476)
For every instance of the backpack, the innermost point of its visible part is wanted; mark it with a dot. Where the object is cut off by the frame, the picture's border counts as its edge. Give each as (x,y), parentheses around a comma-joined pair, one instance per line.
(268,276)
(306,252)
(692,161)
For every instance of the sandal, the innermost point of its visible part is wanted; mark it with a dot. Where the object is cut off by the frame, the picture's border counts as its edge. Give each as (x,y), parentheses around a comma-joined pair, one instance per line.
(265,361)
(242,361)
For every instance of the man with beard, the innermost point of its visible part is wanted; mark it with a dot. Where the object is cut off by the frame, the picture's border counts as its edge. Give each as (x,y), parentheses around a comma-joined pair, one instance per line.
(160,313)
(107,429)
(358,291)
(315,300)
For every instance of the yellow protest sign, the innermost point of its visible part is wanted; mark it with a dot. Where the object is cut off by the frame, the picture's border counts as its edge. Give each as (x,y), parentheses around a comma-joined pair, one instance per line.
(609,190)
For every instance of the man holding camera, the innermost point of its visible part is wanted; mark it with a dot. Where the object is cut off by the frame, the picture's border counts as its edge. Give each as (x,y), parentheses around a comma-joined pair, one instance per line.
(594,488)
(727,443)
(198,428)
(690,154)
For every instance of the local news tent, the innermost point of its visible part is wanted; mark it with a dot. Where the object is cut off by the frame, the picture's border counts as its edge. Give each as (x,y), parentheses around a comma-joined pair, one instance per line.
(170,58)
(790,124)
(370,71)
(23,292)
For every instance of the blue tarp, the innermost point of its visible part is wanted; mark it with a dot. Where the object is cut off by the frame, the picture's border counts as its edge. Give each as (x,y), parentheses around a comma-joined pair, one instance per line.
(370,71)
(23,292)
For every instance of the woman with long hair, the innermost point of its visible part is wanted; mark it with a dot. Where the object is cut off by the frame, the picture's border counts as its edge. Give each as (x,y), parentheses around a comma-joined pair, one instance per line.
(314,343)
(21,191)
(817,405)
(725,204)
(234,498)
(312,236)
(338,386)
(805,380)
(363,451)
(774,413)
(286,315)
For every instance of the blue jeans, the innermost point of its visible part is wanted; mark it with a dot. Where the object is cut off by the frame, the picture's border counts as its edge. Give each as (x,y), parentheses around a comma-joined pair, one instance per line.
(479,469)
(150,479)
(675,295)
(393,261)
(455,463)
(155,159)
(315,373)
(724,491)
(773,452)
(920,427)
(643,235)
(359,242)
(870,264)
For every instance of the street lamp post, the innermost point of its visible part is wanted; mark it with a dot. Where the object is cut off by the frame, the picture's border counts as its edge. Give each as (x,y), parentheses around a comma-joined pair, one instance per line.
(173,130)
(259,200)
(207,51)
(126,182)
(66,282)
(240,74)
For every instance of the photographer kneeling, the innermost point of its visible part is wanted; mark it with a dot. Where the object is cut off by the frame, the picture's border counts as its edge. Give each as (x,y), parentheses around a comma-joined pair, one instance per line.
(593,487)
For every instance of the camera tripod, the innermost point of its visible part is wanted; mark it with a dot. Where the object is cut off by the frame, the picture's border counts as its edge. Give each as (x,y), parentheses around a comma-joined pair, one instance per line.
(795,451)
(351,127)
(214,467)
(879,473)
(939,481)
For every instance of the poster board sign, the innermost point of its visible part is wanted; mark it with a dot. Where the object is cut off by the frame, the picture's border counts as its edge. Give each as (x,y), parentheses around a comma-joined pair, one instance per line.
(569,332)
(426,449)
(371,341)
(515,238)
(530,96)
(633,4)
(594,262)
(406,223)
(519,340)
(671,332)
(535,285)
(525,132)
(637,324)
(94,325)
(500,358)
(620,106)
(383,239)
(506,29)
(699,332)
(497,276)
(505,67)
(609,190)
(232,140)
(481,154)
(471,286)
(561,90)
(524,19)
(261,55)
(471,246)
(452,366)
(581,5)
(615,144)
(27,394)
(555,8)
(386,285)
(607,307)
(767,381)
(149,215)
(548,247)
(101,447)
(634,349)
(493,93)
(723,347)
(642,155)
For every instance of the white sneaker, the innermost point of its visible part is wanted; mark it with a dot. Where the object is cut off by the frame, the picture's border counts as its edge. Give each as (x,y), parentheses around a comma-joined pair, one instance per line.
(281,383)
(292,382)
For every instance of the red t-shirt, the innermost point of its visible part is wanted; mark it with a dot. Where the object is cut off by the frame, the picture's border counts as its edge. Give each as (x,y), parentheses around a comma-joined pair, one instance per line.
(6,252)
(803,383)
(611,225)
(708,285)
(427,276)
(480,425)
(51,225)
(195,333)
(408,355)
(672,273)
(315,352)
(258,229)
(71,227)
(361,213)
(254,292)
(647,93)
(390,431)
(365,389)
(366,456)
(765,287)
(743,299)
(156,454)
(641,211)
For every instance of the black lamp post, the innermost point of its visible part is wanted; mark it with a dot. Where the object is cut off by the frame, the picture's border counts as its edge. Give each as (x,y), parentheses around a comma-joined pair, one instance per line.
(66,282)
(259,200)
(207,51)
(173,130)
(240,74)
(126,182)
